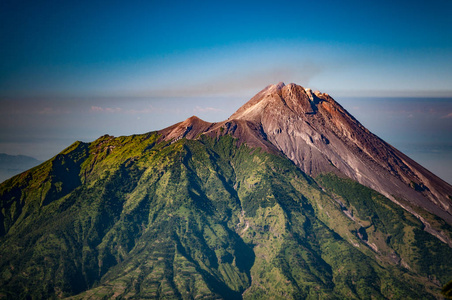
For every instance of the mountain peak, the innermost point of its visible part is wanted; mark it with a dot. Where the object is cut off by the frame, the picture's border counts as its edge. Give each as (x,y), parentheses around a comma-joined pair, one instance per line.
(279,85)
(320,136)
(277,97)
(189,129)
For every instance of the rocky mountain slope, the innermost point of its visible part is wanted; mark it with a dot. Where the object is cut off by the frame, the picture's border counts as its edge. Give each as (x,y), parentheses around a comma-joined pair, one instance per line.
(277,202)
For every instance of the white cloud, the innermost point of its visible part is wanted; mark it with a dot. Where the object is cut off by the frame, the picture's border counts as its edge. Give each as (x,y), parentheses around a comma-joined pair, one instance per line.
(113,109)
(240,82)
(145,110)
(199,109)
(106,109)
(96,108)
(52,111)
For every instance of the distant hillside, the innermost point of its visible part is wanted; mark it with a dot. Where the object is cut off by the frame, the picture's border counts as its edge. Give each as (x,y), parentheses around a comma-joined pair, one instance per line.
(11,165)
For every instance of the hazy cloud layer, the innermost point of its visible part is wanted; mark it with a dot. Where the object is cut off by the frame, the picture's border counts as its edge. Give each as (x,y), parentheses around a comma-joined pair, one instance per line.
(238,83)
(199,109)
(42,128)
(448,115)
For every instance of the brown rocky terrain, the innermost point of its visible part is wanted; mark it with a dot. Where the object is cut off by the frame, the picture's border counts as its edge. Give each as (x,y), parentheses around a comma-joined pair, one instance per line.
(320,136)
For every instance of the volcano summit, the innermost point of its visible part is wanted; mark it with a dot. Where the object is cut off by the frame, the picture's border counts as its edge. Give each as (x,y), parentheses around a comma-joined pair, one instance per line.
(289,198)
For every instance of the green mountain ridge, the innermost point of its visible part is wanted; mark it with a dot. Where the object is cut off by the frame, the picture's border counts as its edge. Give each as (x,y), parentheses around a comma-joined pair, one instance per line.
(139,217)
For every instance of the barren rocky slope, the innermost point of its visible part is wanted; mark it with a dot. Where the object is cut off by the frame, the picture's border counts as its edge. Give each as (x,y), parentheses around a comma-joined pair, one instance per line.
(320,136)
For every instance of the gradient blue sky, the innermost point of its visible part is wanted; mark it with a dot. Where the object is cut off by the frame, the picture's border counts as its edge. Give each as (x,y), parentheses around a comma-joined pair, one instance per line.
(144,48)
(74,70)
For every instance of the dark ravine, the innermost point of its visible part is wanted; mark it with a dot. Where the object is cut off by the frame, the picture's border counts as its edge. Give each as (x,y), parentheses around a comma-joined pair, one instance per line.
(290,198)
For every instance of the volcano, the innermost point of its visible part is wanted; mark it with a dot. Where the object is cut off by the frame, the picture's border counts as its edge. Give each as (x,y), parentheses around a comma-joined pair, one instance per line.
(291,197)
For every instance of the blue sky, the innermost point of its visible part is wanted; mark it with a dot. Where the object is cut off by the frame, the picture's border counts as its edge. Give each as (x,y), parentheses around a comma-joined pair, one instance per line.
(74,70)
(109,48)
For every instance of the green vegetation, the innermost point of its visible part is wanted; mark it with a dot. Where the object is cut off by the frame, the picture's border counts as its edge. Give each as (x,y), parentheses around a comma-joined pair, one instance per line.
(132,217)
(392,229)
